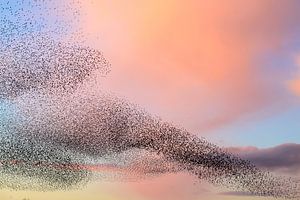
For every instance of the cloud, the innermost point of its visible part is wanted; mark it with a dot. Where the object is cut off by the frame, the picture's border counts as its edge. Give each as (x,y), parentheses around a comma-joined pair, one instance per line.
(194,63)
(171,187)
(294,85)
(284,158)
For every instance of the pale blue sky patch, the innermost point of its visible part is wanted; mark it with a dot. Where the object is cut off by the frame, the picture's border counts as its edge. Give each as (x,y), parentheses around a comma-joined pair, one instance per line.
(276,129)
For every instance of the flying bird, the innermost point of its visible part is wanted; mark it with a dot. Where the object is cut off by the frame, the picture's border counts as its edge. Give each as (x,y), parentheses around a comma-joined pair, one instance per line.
(55,129)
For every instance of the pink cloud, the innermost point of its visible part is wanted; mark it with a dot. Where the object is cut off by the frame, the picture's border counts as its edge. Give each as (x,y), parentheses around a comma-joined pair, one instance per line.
(193,63)
(171,187)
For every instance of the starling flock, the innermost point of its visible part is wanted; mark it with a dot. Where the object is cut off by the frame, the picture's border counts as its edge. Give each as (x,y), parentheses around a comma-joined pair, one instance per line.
(56,133)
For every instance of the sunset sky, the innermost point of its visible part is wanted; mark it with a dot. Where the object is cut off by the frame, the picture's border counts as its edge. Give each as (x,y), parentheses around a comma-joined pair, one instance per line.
(228,71)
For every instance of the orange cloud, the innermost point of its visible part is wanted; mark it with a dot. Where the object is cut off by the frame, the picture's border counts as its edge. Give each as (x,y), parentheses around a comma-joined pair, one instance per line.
(194,63)
(294,85)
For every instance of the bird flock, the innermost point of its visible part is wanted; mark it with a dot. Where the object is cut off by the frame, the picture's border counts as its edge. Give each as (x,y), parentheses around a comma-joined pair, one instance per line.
(58,133)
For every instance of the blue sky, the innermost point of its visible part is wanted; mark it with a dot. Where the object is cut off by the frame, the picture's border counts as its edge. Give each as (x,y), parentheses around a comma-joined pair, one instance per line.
(271,130)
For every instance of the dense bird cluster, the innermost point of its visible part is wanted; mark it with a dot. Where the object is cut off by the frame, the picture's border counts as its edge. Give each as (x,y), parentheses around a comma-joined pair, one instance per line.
(37,62)
(56,133)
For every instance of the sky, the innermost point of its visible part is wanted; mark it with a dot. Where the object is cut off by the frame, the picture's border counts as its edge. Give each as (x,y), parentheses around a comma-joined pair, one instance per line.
(228,71)
(218,69)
